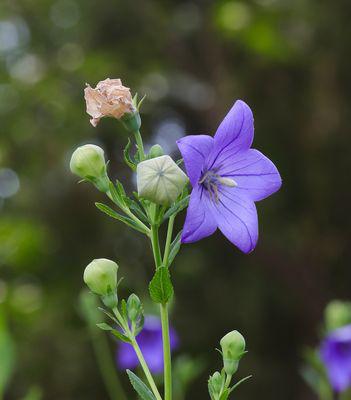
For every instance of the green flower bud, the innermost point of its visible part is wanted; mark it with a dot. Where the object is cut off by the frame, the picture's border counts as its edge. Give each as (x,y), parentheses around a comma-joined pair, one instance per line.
(337,314)
(134,308)
(215,384)
(233,348)
(156,151)
(101,276)
(160,180)
(88,162)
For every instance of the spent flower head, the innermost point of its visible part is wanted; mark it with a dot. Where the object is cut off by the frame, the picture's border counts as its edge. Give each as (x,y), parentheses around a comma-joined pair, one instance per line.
(109,99)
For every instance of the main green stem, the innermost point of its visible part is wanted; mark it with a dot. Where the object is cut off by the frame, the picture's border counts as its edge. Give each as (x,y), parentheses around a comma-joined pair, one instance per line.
(167,364)
(167,361)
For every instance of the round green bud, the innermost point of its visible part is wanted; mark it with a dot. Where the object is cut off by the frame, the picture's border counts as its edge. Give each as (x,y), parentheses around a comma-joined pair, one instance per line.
(101,276)
(337,314)
(233,348)
(160,180)
(88,162)
(156,151)
(133,307)
(215,383)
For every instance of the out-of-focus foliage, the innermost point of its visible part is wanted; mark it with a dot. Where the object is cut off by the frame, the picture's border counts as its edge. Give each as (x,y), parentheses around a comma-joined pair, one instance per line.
(290,60)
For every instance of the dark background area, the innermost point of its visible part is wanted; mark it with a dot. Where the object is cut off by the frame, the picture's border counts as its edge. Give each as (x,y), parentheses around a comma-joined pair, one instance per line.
(290,61)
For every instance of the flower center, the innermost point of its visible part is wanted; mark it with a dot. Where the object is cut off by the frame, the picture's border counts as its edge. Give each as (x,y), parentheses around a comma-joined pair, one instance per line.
(210,180)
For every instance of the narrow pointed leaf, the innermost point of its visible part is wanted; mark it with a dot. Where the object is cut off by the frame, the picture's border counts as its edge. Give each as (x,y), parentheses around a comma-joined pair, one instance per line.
(139,386)
(175,246)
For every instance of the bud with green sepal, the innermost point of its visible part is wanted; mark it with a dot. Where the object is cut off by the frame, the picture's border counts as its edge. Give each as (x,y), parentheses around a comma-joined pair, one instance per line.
(233,348)
(156,151)
(88,162)
(135,313)
(337,314)
(101,278)
(215,385)
(160,180)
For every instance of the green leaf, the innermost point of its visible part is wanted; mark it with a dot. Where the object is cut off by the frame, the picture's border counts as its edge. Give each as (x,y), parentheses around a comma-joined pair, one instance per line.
(127,157)
(139,386)
(104,326)
(113,214)
(120,336)
(160,287)
(239,383)
(175,246)
(177,207)
(138,211)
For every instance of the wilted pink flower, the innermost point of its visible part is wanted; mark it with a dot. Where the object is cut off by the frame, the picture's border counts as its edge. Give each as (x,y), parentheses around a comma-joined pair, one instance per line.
(109,99)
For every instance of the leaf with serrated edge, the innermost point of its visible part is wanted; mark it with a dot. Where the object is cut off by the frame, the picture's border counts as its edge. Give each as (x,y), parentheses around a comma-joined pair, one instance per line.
(160,287)
(139,386)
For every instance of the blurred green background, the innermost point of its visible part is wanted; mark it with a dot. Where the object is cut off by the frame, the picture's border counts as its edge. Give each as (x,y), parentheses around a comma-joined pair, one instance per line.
(290,60)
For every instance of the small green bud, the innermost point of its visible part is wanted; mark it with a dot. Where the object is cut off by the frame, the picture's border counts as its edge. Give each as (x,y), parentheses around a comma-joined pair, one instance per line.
(215,383)
(337,314)
(156,151)
(134,308)
(101,276)
(233,348)
(88,162)
(160,180)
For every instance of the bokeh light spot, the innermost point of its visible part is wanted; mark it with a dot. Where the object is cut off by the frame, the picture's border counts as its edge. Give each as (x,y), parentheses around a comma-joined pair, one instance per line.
(9,183)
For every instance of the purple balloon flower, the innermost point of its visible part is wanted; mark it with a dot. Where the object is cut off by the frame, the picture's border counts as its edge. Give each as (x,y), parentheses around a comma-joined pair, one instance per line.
(227,177)
(335,353)
(150,342)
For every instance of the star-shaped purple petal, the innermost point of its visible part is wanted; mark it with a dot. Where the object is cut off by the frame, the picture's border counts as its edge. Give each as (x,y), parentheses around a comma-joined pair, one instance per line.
(227,177)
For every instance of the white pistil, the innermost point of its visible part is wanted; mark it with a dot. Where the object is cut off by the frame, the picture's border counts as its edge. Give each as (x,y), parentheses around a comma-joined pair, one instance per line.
(227,181)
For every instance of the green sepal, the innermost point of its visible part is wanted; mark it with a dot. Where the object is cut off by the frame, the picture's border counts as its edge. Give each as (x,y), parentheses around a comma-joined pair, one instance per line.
(239,383)
(175,247)
(109,315)
(140,324)
(160,287)
(139,386)
(124,310)
(113,214)
(127,156)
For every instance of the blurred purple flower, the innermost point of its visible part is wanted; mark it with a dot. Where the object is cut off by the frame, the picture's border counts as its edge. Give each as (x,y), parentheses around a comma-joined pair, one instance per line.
(150,342)
(335,353)
(227,177)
